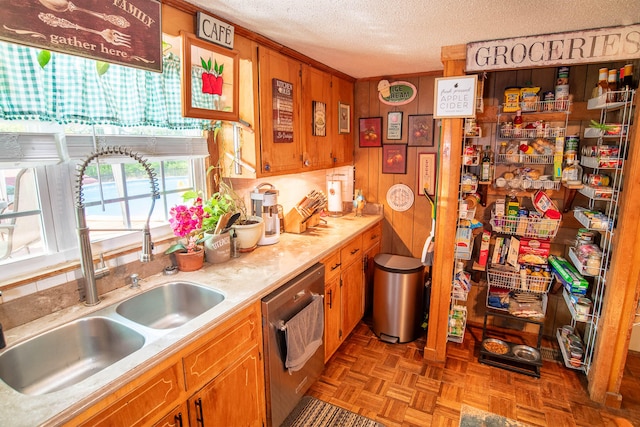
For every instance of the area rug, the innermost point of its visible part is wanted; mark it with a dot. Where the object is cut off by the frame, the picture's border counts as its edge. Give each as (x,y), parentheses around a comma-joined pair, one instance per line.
(312,412)
(474,417)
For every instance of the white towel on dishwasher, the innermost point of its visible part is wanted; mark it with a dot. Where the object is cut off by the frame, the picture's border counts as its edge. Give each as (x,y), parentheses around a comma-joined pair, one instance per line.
(303,334)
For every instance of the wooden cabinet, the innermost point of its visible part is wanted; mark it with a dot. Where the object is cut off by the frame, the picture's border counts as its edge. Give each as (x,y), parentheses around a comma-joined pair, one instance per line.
(371,243)
(229,367)
(177,418)
(142,401)
(332,307)
(302,149)
(279,157)
(342,144)
(233,398)
(345,287)
(317,147)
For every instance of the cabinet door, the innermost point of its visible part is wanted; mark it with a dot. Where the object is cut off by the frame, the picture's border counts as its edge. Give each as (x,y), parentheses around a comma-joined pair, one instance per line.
(234,398)
(352,296)
(342,144)
(369,267)
(318,121)
(281,143)
(179,417)
(144,403)
(332,332)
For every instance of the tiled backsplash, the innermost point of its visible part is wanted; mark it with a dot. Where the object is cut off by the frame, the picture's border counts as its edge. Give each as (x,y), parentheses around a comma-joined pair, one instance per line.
(33,300)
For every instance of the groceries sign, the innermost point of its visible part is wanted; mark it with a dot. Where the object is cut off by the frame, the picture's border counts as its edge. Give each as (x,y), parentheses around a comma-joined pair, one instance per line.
(577,47)
(126,32)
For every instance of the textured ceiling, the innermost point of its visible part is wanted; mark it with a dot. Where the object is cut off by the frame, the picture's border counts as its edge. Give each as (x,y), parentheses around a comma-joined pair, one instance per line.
(371,38)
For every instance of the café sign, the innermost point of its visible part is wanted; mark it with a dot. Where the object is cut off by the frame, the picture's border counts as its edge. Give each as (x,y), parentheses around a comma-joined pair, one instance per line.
(126,32)
(214,30)
(577,47)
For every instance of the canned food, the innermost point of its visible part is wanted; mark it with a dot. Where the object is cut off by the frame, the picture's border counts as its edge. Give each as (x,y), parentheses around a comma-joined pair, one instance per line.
(583,308)
(548,98)
(596,179)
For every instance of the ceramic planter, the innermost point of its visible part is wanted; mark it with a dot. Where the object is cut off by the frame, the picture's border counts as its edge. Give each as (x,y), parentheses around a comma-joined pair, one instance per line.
(190,261)
(247,235)
(217,247)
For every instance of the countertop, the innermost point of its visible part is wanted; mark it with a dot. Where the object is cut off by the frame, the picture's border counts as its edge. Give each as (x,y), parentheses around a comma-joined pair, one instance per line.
(242,280)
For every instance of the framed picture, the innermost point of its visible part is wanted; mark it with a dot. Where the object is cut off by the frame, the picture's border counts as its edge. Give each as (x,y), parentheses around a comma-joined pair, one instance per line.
(319,119)
(370,131)
(427,173)
(394,158)
(210,81)
(344,118)
(394,126)
(421,130)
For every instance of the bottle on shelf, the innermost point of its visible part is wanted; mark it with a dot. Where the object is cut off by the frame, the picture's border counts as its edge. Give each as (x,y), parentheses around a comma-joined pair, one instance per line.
(572,174)
(603,84)
(627,81)
(485,168)
(517,123)
(612,85)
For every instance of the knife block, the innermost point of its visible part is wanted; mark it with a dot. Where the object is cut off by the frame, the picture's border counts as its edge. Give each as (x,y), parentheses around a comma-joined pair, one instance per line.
(293,222)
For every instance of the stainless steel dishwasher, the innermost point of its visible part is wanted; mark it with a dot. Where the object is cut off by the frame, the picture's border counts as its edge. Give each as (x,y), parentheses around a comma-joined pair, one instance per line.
(284,389)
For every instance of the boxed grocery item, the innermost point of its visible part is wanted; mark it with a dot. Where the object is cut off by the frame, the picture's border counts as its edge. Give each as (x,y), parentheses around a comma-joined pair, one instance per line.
(533,251)
(463,242)
(484,248)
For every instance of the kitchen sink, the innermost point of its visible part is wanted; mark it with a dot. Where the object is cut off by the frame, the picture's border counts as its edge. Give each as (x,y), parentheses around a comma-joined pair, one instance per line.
(66,355)
(170,305)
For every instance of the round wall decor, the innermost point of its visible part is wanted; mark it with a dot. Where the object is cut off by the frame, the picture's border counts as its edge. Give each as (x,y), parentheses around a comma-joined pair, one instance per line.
(400,197)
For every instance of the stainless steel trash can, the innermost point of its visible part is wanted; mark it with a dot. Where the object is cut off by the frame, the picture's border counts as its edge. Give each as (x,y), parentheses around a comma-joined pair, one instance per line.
(398,286)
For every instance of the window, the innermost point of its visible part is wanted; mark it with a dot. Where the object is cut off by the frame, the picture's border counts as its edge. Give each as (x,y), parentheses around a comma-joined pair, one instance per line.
(37,202)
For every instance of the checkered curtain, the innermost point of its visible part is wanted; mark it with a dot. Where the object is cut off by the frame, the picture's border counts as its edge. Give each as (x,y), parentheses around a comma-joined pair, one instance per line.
(69,90)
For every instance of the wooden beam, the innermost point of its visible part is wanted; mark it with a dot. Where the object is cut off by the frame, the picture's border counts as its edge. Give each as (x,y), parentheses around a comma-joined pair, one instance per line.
(446,213)
(623,287)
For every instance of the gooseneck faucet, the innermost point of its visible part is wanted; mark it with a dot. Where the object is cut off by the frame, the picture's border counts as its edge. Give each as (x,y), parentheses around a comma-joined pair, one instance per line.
(86,257)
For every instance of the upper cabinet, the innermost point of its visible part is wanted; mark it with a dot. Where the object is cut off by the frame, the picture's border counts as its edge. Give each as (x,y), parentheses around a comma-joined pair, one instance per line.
(280,89)
(300,126)
(317,114)
(342,134)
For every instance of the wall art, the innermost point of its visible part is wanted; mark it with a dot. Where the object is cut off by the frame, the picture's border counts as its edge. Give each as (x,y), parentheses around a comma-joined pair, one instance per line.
(427,173)
(344,118)
(420,130)
(210,80)
(394,126)
(319,119)
(394,158)
(370,131)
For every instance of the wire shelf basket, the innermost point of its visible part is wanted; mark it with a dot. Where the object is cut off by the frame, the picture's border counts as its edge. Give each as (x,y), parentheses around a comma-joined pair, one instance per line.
(518,281)
(548,132)
(540,228)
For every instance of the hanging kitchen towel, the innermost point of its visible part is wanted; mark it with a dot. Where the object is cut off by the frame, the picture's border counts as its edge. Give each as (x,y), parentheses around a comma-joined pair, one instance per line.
(303,334)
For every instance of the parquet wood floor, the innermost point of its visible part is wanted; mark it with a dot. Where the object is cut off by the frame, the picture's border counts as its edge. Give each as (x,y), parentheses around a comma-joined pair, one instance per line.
(392,384)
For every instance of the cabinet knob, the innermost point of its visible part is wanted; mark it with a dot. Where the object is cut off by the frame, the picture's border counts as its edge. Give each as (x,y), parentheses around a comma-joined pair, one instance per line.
(267,167)
(307,163)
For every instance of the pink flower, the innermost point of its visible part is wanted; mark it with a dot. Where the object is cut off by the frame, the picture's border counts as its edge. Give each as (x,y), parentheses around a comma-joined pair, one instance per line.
(184,220)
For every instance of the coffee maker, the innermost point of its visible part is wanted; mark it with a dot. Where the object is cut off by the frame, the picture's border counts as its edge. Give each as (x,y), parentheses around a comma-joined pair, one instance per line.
(264,203)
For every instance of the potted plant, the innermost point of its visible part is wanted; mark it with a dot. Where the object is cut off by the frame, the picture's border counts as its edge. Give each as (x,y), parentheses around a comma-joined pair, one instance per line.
(217,243)
(186,222)
(249,228)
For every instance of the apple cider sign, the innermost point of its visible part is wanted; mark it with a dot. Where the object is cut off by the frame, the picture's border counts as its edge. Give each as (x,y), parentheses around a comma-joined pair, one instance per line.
(115,31)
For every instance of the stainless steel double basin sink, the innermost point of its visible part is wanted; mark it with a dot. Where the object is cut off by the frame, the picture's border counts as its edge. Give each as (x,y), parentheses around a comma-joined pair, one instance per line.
(68,354)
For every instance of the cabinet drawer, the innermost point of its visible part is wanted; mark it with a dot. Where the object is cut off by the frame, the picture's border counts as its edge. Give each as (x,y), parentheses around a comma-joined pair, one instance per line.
(231,340)
(372,236)
(351,251)
(143,403)
(331,266)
